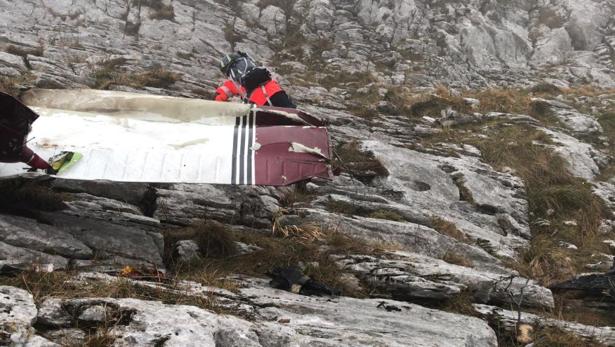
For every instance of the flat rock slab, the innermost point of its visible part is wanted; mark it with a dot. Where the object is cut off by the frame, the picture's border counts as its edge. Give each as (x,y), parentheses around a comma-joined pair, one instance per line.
(434,184)
(27,233)
(279,319)
(113,240)
(356,322)
(508,319)
(399,273)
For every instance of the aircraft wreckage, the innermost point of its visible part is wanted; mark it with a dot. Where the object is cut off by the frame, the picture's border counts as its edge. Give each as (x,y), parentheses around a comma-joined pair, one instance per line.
(128,137)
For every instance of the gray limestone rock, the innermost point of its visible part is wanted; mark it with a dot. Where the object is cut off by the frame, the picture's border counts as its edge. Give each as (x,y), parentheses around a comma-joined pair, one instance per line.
(508,320)
(413,276)
(17,314)
(25,258)
(575,121)
(289,318)
(187,250)
(27,233)
(51,313)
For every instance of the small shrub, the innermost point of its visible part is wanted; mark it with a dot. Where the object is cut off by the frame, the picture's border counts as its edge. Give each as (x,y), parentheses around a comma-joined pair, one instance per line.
(542,111)
(107,72)
(231,35)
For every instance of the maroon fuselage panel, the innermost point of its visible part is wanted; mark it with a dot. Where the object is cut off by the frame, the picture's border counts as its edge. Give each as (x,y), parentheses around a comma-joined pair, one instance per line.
(279,162)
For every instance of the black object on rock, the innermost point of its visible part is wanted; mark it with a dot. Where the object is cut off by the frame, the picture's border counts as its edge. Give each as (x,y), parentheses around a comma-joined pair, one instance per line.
(293,280)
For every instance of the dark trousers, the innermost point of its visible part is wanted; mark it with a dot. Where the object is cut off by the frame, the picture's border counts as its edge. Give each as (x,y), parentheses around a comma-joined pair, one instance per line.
(281,99)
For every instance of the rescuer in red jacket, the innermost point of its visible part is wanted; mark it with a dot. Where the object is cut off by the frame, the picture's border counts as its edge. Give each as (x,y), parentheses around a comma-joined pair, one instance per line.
(250,82)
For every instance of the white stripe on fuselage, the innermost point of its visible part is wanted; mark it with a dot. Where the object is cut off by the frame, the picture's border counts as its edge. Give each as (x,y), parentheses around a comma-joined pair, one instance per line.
(252,148)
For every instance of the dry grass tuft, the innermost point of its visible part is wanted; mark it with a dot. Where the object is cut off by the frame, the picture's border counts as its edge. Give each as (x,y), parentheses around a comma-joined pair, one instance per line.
(291,251)
(306,232)
(359,163)
(111,72)
(554,195)
(213,238)
(503,100)
(447,228)
(350,209)
(546,261)
(160,9)
(62,285)
(461,304)
(24,51)
(28,199)
(295,196)
(553,337)
(433,105)
(457,259)
(99,338)
(12,85)
(387,215)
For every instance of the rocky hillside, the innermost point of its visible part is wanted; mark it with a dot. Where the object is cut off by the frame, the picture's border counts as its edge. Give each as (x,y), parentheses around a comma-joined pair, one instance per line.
(475,205)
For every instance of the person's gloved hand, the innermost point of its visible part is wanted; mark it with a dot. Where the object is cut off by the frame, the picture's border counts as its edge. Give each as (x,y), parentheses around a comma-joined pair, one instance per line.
(255,78)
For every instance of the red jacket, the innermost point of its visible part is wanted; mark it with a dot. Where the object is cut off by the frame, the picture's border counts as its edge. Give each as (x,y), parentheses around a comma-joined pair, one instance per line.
(260,96)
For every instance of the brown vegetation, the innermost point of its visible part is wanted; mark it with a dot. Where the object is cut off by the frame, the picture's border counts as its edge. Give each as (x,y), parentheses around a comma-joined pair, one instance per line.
(460,303)
(159,9)
(290,245)
(447,228)
(110,72)
(457,259)
(359,163)
(351,209)
(24,51)
(28,199)
(554,195)
(12,85)
(553,337)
